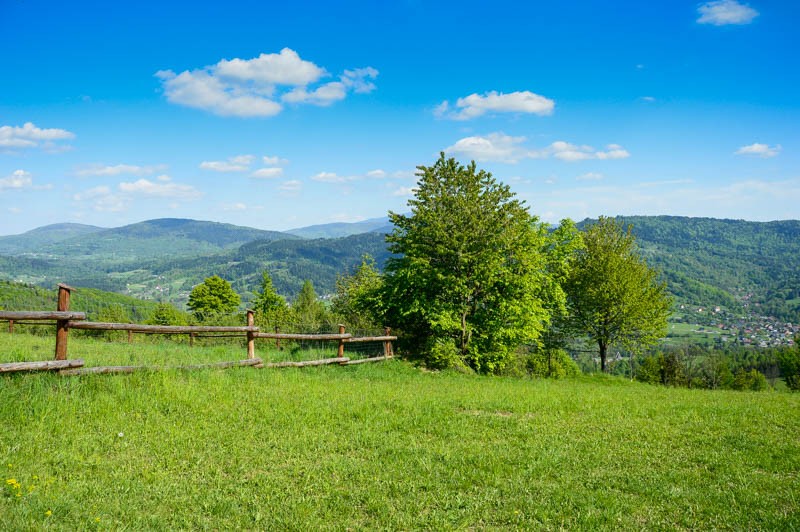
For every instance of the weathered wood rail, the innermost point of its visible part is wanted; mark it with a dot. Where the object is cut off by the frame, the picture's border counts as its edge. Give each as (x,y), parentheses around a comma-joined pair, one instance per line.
(66,320)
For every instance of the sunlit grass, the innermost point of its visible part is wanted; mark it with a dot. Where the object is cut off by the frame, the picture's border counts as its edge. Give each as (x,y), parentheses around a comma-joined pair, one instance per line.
(382,446)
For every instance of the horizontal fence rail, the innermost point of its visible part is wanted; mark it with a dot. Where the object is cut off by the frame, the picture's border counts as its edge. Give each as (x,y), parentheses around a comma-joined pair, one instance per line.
(66,320)
(46,315)
(158,329)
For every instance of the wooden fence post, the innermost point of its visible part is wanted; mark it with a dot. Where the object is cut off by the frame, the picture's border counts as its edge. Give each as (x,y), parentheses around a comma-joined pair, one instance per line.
(387,345)
(341,342)
(130,337)
(277,340)
(10,326)
(191,339)
(62,330)
(251,338)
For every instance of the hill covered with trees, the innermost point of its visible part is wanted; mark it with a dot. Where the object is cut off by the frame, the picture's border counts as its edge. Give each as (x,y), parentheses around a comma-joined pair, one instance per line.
(741,266)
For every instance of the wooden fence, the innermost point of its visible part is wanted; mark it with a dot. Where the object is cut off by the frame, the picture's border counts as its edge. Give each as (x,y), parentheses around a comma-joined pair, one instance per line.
(66,320)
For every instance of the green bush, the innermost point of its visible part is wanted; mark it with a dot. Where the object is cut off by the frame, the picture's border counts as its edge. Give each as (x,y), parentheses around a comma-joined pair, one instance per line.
(552,363)
(789,362)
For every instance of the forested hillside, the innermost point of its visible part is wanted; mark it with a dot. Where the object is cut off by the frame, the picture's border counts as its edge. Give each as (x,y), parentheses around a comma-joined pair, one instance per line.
(741,266)
(732,263)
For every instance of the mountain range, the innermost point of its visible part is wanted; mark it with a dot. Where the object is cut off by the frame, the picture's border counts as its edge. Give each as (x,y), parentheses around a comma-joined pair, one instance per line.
(739,265)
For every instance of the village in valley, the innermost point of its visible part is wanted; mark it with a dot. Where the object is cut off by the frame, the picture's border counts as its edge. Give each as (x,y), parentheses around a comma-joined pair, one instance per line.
(720,326)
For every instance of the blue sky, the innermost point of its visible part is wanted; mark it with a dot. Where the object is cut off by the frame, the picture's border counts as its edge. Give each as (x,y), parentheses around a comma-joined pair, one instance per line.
(281,116)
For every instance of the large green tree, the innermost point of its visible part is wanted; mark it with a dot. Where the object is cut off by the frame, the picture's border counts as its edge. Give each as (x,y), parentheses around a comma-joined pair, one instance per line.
(465,286)
(214,296)
(613,296)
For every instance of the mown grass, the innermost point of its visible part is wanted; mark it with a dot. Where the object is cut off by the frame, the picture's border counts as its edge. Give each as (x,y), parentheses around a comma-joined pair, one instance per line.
(388,446)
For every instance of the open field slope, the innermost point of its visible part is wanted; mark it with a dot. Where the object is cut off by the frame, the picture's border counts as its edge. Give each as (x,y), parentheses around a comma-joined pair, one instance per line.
(387,446)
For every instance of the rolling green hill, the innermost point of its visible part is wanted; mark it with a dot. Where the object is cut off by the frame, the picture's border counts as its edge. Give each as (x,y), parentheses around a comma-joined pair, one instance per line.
(731,263)
(155,238)
(743,267)
(337,230)
(32,241)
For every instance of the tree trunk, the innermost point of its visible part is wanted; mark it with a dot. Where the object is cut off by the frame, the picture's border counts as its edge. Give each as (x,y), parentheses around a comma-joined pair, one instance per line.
(603,353)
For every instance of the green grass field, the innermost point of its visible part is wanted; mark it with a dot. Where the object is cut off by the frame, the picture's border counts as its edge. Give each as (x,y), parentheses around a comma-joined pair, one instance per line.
(384,446)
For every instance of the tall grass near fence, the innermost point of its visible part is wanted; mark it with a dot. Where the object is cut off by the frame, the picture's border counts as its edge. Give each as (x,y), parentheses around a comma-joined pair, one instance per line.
(388,446)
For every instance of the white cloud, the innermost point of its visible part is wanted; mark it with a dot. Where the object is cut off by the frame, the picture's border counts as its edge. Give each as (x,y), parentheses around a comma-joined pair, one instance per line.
(331,177)
(570,152)
(378,173)
(92,193)
(347,218)
(401,174)
(476,105)
(234,207)
(759,150)
(164,178)
(267,173)
(724,12)
(404,191)
(103,199)
(323,96)
(99,170)
(493,147)
(504,148)
(30,136)
(243,159)
(148,188)
(284,68)
(648,99)
(14,210)
(590,176)
(274,160)
(255,87)
(359,79)
(291,187)
(18,180)
(238,163)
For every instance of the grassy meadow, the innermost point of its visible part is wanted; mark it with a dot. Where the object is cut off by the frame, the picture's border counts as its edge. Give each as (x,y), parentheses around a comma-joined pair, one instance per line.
(381,445)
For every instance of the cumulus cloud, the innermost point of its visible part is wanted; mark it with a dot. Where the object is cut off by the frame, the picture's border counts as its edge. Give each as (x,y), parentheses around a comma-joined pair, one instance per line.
(258,87)
(500,147)
(267,173)
(100,170)
(238,163)
(570,152)
(145,187)
(107,199)
(759,150)
(274,160)
(404,191)
(331,177)
(18,180)
(724,12)
(476,105)
(492,147)
(30,136)
(590,176)
(234,207)
(291,187)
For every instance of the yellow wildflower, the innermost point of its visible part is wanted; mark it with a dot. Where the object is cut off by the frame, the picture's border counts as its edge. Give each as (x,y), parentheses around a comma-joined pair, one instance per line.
(48,513)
